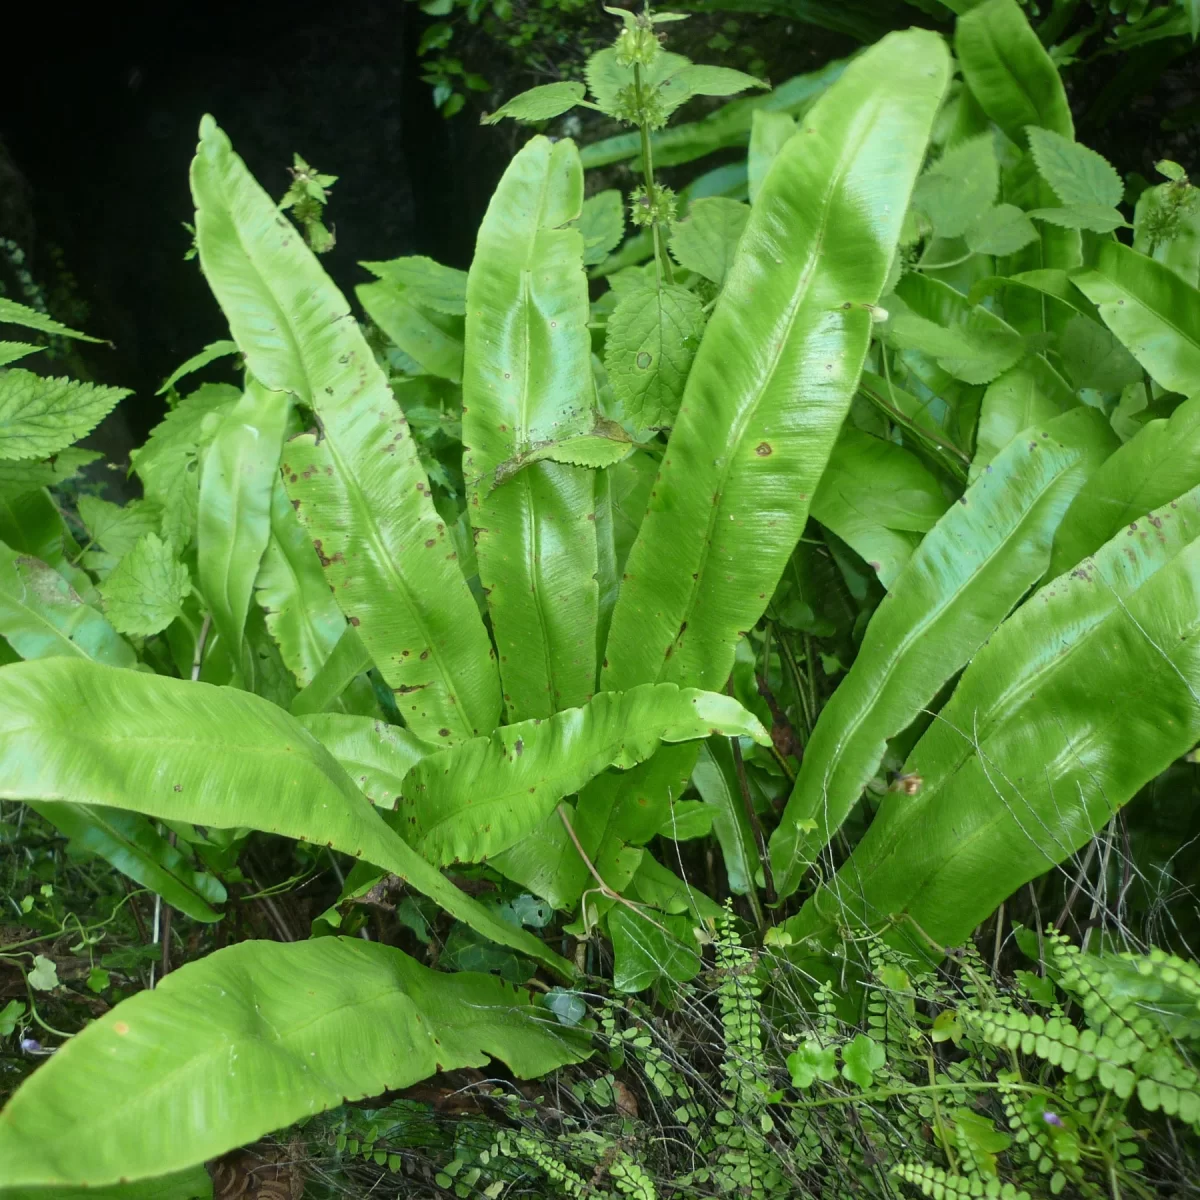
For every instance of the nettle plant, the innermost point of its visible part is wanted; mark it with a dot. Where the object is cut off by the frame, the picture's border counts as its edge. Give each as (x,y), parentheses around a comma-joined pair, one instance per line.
(500,590)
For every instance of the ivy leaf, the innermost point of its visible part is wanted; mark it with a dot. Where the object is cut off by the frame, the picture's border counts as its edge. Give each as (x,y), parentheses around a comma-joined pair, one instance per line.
(812,1062)
(602,223)
(707,239)
(40,416)
(861,1059)
(10,1014)
(568,1007)
(959,186)
(118,527)
(539,103)
(652,339)
(1094,217)
(44,976)
(1078,175)
(1002,230)
(145,591)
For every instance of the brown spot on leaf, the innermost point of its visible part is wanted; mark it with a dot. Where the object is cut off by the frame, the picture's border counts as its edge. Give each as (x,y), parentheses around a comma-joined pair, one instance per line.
(354,621)
(443,733)
(763,449)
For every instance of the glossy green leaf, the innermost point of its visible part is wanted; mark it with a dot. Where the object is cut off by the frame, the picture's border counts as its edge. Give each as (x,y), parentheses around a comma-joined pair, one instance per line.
(210,354)
(1093,357)
(251,1039)
(13,313)
(363,495)
(130,843)
(703,80)
(604,446)
(346,661)
(237,479)
(81,733)
(465,804)
(707,239)
(875,496)
(716,780)
(539,103)
(41,616)
(768,133)
(1030,393)
(1159,464)
(776,371)
(602,224)
(17,478)
(192,1184)
(40,416)
(1079,699)
(374,754)
(431,338)
(144,592)
(1009,72)
(651,341)
(1154,312)
(958,187)
(529,381)
(301,613)
(1095,217)
(425,282)
(965,577)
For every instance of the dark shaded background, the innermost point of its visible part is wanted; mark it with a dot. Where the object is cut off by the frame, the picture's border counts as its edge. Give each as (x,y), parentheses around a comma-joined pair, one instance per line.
(101,120)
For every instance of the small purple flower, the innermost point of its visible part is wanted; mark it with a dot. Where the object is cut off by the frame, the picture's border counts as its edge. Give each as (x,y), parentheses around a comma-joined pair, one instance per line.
(1052,1118)
(31,1045)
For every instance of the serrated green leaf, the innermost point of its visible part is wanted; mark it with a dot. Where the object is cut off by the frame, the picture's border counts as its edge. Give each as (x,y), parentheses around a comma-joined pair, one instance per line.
(958,187)
(253,1038)
(534,542)
(40,416)
(432,339)
(427,283)
(788,335)
(707,239)
(362,491)
(1154,313)
(16,478)
(602,224)
(769,131)
(967,574)
(606,78)
(117,527)
(145,591)
(1032,755)
(812,1061)
(211,353)
(40,615)
(539,103)
(237,478)
(12,313)
(1002,230)
(301,613)
(701,80)
(522,771)
(1079,176)
(374,754)
(1081,216)
(77,732)
(11,352)
(861,1059)
(652,339)
(604,447)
